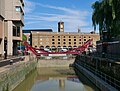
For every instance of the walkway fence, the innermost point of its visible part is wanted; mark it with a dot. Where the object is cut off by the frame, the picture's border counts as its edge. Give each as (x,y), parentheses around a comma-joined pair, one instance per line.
(102,68)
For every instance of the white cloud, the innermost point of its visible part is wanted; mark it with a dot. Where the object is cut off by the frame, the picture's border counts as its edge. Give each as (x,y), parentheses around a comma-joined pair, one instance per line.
(72,18)
(29,6)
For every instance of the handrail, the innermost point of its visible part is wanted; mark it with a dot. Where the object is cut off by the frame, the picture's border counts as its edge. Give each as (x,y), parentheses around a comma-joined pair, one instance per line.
(102,75)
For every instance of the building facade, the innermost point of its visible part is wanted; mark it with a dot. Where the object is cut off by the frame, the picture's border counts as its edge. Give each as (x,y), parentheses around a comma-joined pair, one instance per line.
(63,40)
(11,23)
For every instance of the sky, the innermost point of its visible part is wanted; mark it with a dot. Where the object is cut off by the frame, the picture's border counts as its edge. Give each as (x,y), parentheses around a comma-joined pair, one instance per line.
(45,14)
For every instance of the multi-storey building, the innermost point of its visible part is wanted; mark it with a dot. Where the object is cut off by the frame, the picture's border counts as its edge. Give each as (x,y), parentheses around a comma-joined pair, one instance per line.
(11,23)
(61,39)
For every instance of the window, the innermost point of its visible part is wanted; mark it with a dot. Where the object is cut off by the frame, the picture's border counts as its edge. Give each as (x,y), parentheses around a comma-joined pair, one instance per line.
(14,31)
(53,36)
(58,42)
(35,43)
(63,39)
(69,39)
(58,36)
(18,31)
(74,42)
(47,39)
(64,43)
(58,39)
(53,40)
(18,8)
(69,42)
(79,42)
(74,39)
(41,43)
(74,36)
(79,39)
(64,36)
(47,43)
(84,39)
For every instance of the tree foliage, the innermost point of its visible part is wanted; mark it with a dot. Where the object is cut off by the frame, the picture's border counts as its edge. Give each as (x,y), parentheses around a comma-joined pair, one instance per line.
(24,37)
(106,14)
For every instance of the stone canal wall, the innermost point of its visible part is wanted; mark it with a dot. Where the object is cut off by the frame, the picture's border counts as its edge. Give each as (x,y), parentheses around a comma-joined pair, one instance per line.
(95,76)
(55,62)
(15,74)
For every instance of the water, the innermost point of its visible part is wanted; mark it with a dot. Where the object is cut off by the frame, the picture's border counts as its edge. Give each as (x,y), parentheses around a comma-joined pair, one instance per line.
(55,79)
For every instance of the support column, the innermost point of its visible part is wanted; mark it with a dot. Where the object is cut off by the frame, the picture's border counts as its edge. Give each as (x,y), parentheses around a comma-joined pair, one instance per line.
(9,39)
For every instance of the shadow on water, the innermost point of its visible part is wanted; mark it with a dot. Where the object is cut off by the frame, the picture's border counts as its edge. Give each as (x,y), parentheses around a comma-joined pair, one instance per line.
(87,83)
(55,79)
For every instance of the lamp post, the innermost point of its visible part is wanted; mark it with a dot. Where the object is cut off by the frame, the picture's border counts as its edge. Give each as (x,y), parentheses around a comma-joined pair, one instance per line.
(5,48)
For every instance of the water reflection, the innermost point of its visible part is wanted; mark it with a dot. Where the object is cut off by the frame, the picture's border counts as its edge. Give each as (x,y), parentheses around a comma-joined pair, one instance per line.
(53,79)
(58,84)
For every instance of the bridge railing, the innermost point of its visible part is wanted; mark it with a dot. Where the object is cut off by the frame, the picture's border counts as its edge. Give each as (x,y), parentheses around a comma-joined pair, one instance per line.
(108,79)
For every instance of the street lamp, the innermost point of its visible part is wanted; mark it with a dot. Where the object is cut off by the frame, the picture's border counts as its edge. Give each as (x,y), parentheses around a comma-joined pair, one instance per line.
(5,48)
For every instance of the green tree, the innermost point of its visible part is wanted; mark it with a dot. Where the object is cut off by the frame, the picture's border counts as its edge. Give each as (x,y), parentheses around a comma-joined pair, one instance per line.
(106,14)
(24,37)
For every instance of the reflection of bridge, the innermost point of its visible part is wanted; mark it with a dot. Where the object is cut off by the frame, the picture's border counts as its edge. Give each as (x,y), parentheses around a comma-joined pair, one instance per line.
(72,51)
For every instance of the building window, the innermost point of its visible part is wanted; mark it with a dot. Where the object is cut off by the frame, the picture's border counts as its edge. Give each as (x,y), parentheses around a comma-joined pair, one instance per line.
(74,36)
(79,42)
(40,38)
(16,31)
(79,39)
(58,42)
(63,39)
(35,43)
(69,36)
(64,43)
(84,39)
(53,36)
(69,39)
(74,39)
(41,43)
(58,39)
(53,40)
(47,43)
(58,36)
(69,42)
(47,39)
(74,42)
(64,36)
(18,8)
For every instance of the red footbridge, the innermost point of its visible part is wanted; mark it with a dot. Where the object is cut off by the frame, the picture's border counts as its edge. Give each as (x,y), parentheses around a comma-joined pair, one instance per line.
(72,51)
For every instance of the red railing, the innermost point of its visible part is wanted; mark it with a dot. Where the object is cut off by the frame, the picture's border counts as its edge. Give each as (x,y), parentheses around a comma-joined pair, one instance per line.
(72,51)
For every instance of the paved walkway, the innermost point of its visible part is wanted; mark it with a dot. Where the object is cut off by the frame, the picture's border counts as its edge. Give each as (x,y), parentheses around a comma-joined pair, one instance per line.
(7,67)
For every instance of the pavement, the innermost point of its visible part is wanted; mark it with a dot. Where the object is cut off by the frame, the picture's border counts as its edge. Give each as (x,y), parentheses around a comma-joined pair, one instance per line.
(5,63)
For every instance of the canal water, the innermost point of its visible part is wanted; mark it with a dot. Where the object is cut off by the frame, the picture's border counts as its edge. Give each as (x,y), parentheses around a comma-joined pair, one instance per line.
(55,79)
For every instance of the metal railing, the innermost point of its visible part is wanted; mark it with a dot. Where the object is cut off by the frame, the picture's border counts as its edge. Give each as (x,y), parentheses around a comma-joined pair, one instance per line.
(108,79)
